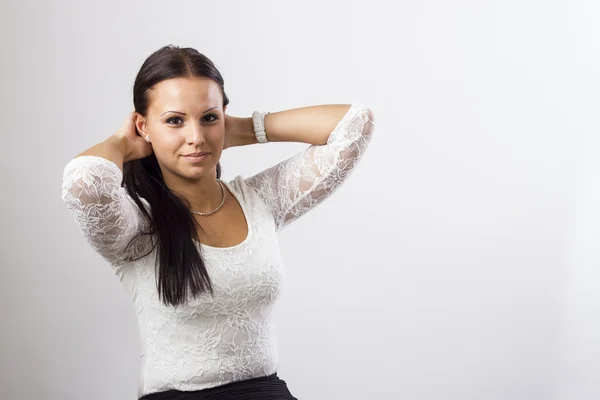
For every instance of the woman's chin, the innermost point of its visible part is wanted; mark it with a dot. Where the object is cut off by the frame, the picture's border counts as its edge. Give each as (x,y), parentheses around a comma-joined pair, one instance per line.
(197,171)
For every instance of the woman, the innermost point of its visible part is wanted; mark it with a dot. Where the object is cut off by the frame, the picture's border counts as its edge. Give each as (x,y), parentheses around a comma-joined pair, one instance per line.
(199,255)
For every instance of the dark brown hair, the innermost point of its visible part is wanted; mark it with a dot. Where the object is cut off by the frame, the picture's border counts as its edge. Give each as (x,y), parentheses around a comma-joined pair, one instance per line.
(180,270)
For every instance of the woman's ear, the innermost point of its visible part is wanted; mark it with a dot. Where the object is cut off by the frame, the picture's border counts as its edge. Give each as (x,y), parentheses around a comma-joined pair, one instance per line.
(140,124)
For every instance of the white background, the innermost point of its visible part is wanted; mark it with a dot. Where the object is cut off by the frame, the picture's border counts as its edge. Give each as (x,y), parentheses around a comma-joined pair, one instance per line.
(459,261)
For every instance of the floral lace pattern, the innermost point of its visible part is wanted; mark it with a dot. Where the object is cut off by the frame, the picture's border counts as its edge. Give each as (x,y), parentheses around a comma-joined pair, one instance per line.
(213,340)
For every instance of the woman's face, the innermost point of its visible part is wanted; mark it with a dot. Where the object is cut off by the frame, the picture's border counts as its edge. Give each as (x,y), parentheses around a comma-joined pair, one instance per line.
(185,116)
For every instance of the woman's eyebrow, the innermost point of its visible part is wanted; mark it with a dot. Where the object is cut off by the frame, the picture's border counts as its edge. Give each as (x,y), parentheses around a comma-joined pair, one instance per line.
(178,112)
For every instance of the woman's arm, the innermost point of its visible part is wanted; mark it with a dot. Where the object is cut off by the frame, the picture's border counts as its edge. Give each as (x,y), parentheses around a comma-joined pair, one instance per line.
(311,125)
(100,206)
(339,136)
(124,145)
(113,149)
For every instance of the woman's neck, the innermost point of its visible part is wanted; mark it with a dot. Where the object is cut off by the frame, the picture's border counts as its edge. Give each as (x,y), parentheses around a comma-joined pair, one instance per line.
(203,194)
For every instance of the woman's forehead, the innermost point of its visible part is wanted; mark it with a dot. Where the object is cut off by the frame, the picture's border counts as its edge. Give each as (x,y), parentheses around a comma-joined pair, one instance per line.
(178,92)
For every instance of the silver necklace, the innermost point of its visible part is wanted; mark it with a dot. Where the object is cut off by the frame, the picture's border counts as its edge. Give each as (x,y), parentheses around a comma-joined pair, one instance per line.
(220,205)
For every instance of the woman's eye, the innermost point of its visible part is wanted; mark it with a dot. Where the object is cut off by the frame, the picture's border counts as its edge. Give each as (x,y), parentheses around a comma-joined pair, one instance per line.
(211,116)
(172,118)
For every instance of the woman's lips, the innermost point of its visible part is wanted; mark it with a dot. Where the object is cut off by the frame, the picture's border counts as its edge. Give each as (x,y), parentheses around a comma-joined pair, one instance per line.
(195,159)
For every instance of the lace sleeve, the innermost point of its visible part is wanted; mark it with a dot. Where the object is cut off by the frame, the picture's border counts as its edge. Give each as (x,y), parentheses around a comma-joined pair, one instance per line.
(101,207)
(296,185)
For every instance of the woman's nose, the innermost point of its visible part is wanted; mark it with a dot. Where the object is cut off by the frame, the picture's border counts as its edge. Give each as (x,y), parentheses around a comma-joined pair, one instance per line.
(195,134)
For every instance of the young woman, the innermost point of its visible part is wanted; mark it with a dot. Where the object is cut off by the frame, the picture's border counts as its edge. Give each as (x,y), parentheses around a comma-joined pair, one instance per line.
(199,255)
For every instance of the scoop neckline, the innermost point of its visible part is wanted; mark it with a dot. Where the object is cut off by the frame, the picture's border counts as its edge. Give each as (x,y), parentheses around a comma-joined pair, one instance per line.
(248,223)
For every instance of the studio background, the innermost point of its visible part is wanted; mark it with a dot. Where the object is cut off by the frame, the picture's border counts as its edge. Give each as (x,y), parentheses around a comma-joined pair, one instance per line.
(459,261)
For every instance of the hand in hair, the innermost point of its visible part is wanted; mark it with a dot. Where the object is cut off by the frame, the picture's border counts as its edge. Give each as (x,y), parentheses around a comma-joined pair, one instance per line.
(136,146)
(238,132)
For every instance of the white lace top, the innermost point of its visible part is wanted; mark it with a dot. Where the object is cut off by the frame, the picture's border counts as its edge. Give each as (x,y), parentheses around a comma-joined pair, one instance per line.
(211,341)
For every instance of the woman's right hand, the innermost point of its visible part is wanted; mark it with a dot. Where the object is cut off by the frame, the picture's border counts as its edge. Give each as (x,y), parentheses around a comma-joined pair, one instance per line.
(136,146)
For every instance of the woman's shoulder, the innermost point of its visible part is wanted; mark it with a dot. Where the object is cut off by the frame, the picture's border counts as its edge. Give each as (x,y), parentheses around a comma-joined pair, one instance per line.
(244,190)
(238,185)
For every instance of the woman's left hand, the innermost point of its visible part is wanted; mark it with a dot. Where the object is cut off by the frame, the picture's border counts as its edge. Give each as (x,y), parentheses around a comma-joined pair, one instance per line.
(239,131)
(231,127)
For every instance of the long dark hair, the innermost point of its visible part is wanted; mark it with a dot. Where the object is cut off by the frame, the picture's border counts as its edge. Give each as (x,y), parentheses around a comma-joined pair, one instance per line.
(180,264)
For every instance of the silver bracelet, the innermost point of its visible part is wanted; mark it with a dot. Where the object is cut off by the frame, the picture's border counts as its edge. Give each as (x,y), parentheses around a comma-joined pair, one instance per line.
(258,120)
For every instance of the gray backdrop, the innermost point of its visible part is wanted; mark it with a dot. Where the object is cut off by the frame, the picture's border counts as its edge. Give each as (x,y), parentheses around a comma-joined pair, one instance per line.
(458,262)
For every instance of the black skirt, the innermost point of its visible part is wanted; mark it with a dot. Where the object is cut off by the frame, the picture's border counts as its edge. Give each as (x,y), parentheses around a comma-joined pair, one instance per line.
(264,387)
